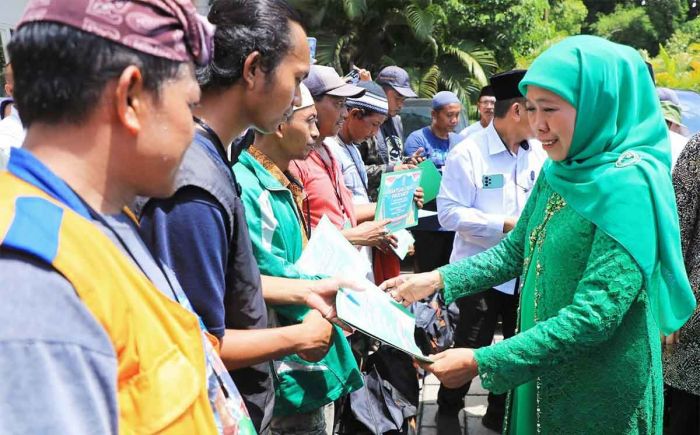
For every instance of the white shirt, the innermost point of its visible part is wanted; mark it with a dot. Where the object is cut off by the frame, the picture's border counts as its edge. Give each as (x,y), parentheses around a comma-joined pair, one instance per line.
(678,142)
(11,135)
(475,210)
(472,129)
(350,159)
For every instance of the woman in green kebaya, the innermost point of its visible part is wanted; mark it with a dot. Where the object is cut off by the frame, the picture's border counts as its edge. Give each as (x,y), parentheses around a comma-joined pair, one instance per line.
(597,248)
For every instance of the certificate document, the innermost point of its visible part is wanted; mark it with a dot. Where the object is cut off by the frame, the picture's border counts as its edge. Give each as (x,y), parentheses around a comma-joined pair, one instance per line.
(371,311)
(374,313)
(395,199)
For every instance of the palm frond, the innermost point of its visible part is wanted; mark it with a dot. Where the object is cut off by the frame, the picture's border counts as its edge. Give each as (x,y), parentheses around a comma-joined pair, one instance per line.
(474,62)
(354,9)
(429,83)
(421,22)
(326,48)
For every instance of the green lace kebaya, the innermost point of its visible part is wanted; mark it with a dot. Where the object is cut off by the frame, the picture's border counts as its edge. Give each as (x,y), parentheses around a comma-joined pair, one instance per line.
(587,357)
(597,247)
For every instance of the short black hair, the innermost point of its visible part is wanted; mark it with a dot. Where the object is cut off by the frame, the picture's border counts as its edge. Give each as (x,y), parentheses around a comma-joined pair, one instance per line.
(8,72)
(60,72)
(500,109)
(242,27)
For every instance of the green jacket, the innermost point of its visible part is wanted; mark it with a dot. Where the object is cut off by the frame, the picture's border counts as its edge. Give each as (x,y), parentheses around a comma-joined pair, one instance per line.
(588,357)
(271,213)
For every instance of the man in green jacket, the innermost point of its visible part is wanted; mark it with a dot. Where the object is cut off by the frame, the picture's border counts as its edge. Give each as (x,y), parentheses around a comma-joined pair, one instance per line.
(279,230)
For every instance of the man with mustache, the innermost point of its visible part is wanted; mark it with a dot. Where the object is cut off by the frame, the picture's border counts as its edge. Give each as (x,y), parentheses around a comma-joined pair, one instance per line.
(485,105)
(273,200)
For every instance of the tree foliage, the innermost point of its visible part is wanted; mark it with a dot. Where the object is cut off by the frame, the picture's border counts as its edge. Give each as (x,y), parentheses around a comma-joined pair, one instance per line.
(666,16)
(414,34)
(508,27)
(682,38)
(678,70)
(629,26)
(567,16)
(458,44)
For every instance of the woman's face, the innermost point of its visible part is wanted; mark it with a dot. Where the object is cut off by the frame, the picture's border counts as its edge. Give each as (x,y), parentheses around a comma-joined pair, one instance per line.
(552,120)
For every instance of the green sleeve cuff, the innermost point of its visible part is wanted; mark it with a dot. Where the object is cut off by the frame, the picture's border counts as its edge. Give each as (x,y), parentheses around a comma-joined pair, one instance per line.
(448,273)
(487,370)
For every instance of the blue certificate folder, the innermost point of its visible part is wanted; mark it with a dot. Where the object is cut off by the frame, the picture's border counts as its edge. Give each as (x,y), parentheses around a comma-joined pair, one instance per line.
(395,199)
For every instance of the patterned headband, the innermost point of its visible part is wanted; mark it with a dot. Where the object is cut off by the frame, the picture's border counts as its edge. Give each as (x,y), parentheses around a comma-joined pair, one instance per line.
(170,29)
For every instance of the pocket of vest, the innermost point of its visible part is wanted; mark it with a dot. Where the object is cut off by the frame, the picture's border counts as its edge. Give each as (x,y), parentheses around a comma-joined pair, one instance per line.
(155,398)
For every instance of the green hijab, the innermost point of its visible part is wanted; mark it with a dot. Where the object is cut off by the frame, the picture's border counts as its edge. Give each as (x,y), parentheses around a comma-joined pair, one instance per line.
(617,173)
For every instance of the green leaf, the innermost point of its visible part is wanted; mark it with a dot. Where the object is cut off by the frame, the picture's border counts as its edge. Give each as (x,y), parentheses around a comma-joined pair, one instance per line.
(421,22)
(326,48)
(429,82)
(354,9)
(474,61)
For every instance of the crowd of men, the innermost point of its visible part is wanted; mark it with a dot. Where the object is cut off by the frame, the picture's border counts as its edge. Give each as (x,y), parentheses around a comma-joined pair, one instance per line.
(148,266)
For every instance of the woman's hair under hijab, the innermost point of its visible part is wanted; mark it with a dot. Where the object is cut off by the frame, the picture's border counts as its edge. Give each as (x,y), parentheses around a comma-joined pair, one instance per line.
(501,108)
(60,72)
(243,27)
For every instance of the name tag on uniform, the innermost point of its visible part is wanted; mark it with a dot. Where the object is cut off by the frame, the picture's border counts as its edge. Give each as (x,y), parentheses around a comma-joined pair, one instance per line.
(492,181)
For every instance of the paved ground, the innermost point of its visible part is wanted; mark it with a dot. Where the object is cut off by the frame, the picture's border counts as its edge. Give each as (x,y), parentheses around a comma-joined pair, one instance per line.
(469,419)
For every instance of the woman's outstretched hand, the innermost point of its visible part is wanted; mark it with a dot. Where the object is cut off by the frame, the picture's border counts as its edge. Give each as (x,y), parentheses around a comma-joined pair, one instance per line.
(453,367)
(406,289)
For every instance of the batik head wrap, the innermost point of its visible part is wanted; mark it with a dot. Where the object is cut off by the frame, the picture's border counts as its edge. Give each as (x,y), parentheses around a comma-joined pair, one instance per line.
(617,173)
(170,29)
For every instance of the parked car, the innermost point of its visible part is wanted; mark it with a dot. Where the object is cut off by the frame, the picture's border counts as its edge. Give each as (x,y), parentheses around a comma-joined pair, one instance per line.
(416,115)
(690,105)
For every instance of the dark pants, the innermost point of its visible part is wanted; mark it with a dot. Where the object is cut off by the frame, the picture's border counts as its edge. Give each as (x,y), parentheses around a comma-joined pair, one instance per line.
(433,249)
(478,317)
(684,412)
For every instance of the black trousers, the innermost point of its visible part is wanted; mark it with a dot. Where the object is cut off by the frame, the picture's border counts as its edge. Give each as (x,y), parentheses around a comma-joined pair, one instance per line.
(478,317)
(433,249)
(683,412)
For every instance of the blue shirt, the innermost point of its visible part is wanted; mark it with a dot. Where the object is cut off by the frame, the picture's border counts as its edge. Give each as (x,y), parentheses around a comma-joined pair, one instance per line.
(434,148)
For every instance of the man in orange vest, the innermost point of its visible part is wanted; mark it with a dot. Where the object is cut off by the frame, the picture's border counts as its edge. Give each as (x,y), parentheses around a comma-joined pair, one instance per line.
(96,335)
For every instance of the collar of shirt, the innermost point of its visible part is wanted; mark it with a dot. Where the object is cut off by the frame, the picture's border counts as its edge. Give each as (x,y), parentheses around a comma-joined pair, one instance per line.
(25,166)
(495,143)
(285,179)
(270,166)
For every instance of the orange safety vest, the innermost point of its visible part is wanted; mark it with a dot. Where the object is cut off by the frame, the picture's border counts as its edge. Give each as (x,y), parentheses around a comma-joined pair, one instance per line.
(161,377)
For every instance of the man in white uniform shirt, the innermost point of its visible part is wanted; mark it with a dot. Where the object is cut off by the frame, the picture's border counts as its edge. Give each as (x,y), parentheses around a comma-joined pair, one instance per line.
(11,130)
(485,104)
(486,182)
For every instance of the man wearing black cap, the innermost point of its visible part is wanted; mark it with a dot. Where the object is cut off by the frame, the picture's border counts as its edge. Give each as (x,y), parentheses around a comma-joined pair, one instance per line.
(485,104)
(384,152)
(486,182)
